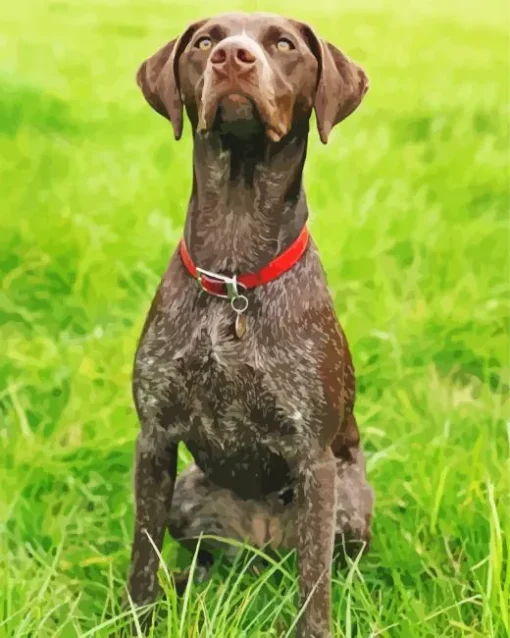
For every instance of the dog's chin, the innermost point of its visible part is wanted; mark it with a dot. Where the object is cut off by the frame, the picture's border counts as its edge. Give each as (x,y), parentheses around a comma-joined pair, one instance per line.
(238,116)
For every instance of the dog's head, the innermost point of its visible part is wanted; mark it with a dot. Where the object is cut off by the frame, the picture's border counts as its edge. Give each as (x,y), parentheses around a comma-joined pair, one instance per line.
(238,71)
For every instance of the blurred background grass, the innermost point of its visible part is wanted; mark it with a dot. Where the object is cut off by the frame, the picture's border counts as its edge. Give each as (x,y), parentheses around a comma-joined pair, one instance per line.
(410,211)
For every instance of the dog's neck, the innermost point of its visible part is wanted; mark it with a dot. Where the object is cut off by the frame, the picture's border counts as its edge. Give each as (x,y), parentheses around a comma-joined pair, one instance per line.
(247,203)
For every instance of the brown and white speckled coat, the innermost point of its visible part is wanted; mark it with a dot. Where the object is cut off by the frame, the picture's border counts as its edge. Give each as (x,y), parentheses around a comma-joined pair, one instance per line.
(268,418)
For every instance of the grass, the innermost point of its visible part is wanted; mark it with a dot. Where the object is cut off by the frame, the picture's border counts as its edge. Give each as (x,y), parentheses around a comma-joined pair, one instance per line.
(410,210)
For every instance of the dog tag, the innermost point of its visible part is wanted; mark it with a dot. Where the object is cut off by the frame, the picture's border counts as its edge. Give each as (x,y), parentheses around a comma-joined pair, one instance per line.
(239,305)
(240,324)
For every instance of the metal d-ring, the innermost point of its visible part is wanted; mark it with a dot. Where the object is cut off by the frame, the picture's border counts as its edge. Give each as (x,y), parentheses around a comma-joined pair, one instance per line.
(239,309)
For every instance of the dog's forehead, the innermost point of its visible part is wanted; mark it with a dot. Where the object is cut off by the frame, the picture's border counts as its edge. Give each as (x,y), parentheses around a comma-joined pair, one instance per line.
(254,24)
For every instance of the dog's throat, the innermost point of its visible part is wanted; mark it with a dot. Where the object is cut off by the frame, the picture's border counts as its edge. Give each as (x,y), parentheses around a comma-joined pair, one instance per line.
(247,202)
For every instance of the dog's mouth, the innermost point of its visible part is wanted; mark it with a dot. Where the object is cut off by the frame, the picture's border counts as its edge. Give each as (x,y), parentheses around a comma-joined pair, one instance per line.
(235,107)
(239,112)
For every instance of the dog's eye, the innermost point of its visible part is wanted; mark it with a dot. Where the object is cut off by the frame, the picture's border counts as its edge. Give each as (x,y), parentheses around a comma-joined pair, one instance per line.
(284,44)
(204,44)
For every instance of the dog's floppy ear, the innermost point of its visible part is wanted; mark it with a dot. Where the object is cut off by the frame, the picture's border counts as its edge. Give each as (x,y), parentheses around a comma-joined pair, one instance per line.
(158,78)
(341,84)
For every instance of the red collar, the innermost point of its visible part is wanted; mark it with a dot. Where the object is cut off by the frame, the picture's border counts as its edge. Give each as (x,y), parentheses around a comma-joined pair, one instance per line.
(225,286)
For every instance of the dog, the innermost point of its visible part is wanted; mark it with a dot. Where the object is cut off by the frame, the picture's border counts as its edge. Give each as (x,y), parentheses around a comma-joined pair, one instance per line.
(242,357)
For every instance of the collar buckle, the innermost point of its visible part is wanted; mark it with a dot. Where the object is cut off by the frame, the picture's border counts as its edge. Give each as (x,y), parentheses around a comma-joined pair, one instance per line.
(231,284)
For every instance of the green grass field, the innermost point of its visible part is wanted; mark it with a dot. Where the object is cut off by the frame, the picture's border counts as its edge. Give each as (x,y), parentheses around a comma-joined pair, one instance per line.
(410,211)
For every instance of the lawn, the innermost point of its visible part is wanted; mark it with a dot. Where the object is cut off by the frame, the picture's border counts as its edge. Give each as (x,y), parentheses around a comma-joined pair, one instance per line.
(409,207)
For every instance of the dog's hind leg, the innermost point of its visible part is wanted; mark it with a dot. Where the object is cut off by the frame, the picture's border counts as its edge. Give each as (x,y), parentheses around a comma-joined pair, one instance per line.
(201,510)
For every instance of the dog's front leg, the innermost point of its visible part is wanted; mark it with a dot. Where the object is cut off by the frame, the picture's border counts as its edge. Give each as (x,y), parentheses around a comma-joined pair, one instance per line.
(315,542)
(155,470)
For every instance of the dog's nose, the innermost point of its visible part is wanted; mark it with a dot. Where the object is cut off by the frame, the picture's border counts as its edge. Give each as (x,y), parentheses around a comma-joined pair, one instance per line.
(232,56)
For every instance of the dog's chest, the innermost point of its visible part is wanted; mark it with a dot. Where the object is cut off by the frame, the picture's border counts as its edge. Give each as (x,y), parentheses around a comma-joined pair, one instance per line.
(242,408)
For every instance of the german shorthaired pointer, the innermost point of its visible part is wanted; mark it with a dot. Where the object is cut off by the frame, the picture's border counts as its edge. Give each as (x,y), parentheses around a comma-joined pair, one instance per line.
(242,357)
